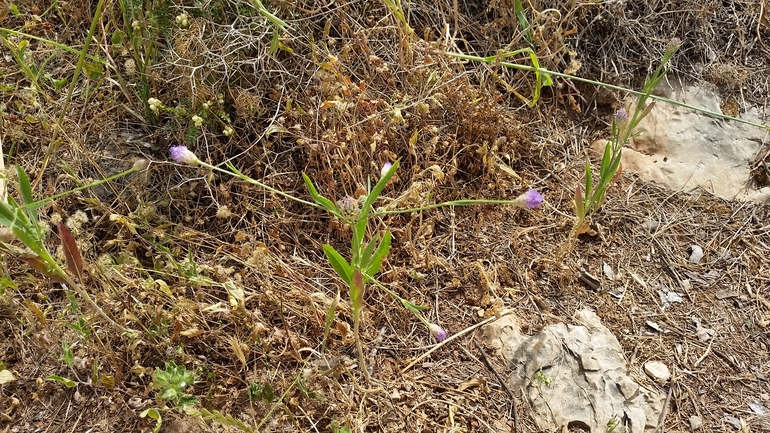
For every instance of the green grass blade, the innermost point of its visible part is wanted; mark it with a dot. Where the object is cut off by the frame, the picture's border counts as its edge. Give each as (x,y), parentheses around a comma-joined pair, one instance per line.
(26,193)
(52,43)
(589,180)
(372,197)
(379,255)
(318,198)
(521,17)
(340,265)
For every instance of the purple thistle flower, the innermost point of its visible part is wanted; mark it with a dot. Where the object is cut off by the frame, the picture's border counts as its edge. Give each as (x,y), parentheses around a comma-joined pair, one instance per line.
(437,332)
(348,207)
(182,155)
(621,116)
(530,199)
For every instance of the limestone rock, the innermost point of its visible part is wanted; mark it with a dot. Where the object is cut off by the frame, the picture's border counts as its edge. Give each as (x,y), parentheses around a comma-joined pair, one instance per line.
(682,149)
(657,371)
(574,375)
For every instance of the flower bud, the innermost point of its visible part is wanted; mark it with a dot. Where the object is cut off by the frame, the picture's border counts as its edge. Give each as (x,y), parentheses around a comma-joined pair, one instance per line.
(182,155)
(140,164)
(437,332)
(385,169)
(530,199)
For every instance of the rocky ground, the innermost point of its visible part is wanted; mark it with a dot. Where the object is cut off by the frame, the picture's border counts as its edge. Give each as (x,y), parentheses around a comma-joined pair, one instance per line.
(656,317)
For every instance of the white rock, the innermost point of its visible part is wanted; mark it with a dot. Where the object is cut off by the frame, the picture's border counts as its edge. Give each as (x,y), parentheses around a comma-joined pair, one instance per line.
(683,150)
(696,254)
(657,371)
(586,371)
(695,422)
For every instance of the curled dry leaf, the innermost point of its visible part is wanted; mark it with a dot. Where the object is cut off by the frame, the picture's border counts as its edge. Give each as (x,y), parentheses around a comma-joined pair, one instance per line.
(71,252)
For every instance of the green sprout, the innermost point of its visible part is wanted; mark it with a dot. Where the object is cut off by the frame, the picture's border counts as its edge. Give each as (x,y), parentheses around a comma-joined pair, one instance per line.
(590,198)
(172,383)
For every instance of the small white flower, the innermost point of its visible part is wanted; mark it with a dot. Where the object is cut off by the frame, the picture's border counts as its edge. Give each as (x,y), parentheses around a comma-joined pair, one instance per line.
(228,132)
(154,104)
(136,25)
(197,120)
(206,105)
(220,99)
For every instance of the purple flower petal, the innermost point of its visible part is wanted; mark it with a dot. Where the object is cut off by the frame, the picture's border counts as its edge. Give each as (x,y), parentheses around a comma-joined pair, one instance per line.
(182,155)
(385,169)
(530,199)
(437,332)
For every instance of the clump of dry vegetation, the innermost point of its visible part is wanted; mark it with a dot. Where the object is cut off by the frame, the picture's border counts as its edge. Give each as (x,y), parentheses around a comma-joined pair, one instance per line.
(211,298)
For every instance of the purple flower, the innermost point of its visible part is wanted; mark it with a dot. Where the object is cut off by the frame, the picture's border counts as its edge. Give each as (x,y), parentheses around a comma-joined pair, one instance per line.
(436,331)
(385,169)
(621,116)
(182,155)
(348,207)
(530,199)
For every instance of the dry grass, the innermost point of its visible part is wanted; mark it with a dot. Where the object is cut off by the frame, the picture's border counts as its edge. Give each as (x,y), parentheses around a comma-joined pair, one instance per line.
(353,93)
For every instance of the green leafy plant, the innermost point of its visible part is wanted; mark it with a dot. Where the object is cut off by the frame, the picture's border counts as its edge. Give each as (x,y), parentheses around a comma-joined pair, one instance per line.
(366,255)
(261,391)
(590,198)
(22,221)
(67,355)
(172,382)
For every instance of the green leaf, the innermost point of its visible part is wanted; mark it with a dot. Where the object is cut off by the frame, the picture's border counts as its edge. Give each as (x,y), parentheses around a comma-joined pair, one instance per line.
(541,78)
(521,16)
(372,197)
(356,292)
(26,192)
(7,283)
(367,255)
(579,210)
(589,181)
(414,308)
(340,265)
(328,321)
(69,383)
(154,414)
(359,229)
(382,251)
(262,391)
(117,37)
(318,198)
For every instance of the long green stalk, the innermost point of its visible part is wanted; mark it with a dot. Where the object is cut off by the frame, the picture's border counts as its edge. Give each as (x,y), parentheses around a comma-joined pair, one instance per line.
(536,69)
(53,145)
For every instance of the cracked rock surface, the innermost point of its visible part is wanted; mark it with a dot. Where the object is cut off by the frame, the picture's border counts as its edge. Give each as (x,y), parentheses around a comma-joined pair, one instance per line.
(574,376)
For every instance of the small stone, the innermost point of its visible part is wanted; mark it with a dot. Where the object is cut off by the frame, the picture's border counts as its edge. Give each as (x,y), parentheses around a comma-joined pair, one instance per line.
(657,371)
(695,422)
(734,422)
(696,253)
